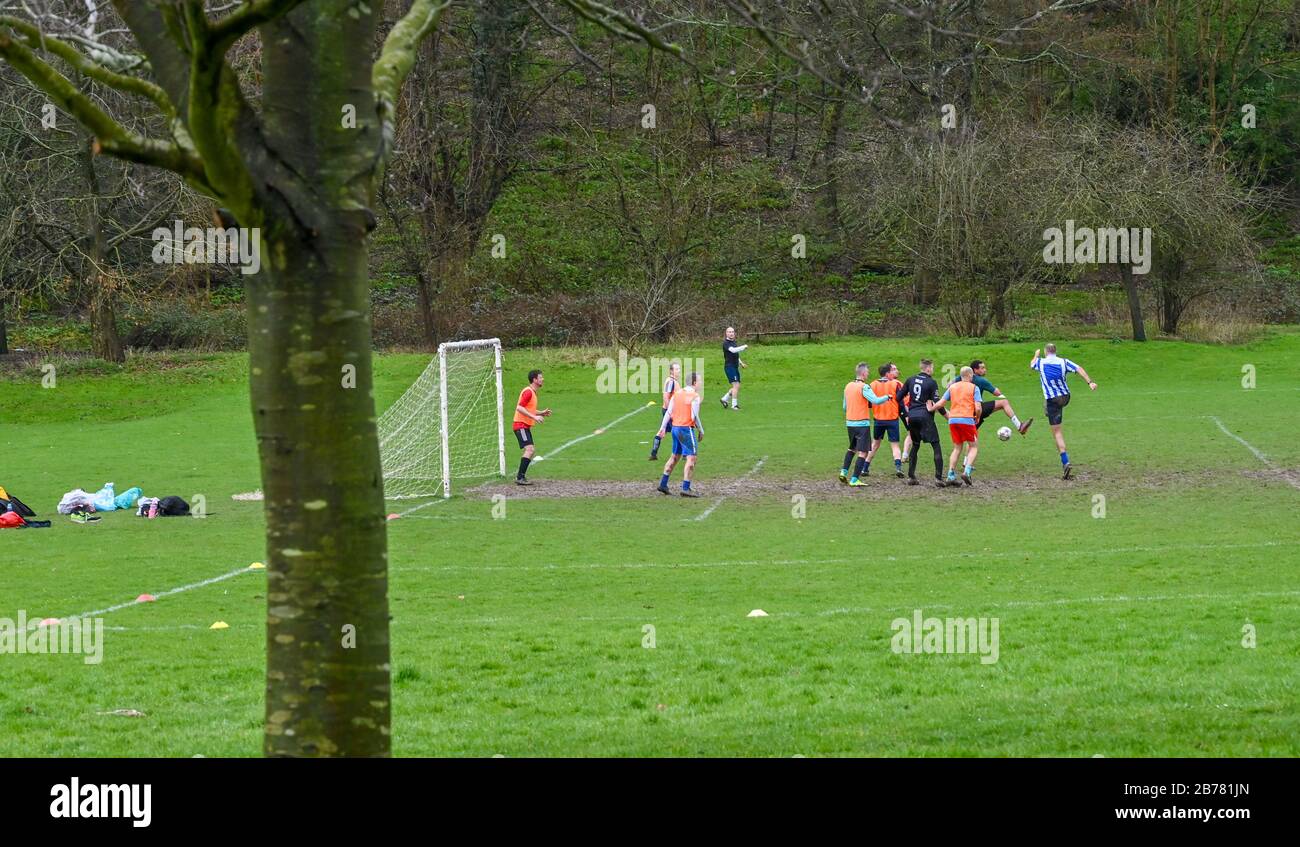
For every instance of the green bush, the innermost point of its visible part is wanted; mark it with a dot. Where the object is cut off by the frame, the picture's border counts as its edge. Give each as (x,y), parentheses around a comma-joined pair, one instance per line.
(176,324)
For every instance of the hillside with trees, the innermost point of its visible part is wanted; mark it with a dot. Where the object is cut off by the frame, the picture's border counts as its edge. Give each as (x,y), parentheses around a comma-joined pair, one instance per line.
(880,168)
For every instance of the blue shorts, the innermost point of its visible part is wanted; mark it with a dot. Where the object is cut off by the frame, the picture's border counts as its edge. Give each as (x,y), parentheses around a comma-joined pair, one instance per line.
(683,441)
(733,373)
(890,427)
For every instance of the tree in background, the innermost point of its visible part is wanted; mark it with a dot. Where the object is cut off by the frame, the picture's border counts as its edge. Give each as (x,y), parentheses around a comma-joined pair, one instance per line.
(90,216)
(462,128)
(662,201)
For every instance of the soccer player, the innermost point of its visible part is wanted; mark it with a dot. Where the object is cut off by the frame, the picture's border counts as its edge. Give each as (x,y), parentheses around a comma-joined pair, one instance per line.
(731,364)
(526,415)
(1053,370)
(683,414)
(670,387)
(962,423)
(920,392)
(886,415)
(858,400)
(994,399)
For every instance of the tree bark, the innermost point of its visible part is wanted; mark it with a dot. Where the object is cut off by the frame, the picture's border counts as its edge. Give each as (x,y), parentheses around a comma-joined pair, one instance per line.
(309,341)
(1171,309)
(105,341)
(326,544)
(1134,302)
(428,320)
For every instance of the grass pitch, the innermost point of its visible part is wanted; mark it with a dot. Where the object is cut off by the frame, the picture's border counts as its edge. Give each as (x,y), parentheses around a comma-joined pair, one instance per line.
(531,634)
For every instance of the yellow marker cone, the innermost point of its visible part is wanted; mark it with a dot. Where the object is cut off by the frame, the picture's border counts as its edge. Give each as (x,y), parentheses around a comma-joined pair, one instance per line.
(257,566)
(220,625)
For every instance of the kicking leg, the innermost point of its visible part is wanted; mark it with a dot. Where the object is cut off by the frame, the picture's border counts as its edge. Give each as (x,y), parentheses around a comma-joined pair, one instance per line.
(1005,405)
(1060,447)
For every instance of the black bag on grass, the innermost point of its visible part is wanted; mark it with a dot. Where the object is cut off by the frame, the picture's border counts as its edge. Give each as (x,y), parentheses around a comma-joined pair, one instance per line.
(13,503)
(173,507)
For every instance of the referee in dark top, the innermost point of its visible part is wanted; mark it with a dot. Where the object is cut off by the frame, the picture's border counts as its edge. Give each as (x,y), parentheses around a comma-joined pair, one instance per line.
(732,364)
(917,391)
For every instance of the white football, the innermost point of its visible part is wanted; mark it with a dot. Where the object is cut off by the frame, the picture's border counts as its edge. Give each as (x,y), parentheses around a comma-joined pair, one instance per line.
(1004,433)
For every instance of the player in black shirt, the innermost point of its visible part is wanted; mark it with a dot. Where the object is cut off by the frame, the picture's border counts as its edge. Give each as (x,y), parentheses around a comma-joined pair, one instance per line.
(917,391)
(731,365)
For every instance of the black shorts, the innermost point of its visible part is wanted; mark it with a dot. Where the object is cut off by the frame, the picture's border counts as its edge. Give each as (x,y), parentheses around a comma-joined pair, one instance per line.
(1055,406)
(922,429)
(986,412)
(524,435)
(859,438)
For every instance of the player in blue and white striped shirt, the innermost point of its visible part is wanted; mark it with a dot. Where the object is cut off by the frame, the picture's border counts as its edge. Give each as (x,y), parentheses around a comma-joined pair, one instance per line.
(1052,371)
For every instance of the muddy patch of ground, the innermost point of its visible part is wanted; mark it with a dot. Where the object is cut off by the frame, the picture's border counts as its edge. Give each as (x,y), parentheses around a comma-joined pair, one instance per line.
(879,487)
(1286,476)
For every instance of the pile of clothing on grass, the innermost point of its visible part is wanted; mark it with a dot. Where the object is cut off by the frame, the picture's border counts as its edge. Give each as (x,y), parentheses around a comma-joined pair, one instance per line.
(82,506)
(14,513)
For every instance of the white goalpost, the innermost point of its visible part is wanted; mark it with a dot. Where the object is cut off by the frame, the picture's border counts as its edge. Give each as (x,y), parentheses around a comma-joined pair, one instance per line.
(449,423)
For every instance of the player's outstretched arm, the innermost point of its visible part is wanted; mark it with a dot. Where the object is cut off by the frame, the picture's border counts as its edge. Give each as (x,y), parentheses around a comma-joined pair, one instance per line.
(872,397)
(1091,385)
(1033,363)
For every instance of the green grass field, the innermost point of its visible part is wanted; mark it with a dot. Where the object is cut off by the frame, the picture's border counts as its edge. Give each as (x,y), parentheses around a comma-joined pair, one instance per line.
(1120,635)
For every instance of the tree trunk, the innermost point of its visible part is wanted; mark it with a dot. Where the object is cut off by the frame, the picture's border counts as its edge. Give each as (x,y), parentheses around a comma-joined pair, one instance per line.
(925,287)
(327,637)
(831,153)
(428,320)
(1171,309)
(327,550)
(1134,302)
(999,308)
(4,330)
(105,341)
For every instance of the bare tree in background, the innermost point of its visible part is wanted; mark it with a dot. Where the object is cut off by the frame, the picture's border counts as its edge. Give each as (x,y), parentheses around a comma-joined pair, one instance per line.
(664,211)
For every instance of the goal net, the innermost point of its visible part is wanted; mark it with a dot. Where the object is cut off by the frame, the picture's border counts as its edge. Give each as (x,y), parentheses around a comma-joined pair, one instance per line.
(448,425)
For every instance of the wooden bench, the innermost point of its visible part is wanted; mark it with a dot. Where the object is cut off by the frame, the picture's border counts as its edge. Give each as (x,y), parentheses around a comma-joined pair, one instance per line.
(785,333)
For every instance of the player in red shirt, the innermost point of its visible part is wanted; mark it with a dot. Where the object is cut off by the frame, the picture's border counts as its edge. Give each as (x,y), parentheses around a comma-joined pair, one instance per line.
(526,415)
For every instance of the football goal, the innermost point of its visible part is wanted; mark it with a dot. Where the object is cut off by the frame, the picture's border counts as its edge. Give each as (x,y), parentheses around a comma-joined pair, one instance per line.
(448,425)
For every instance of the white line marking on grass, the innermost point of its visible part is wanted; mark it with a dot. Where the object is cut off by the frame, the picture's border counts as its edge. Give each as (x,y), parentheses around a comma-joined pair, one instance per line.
(1258,455)
(835,560)
(581,438)
(414,509)
(718,502)
(965,607)
(161,594)
(1063,601)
